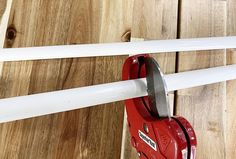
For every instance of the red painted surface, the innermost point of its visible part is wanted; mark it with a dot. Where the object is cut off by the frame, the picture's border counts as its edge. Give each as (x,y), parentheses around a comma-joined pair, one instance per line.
(166,138)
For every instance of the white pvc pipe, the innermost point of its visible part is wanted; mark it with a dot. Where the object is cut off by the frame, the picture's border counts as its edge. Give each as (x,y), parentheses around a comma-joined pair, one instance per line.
(111,49)
(53,102)
(195,78)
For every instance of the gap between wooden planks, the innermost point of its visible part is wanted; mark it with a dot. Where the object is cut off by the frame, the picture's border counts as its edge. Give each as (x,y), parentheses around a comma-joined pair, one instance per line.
(216,19)
(152,20)
(205,107)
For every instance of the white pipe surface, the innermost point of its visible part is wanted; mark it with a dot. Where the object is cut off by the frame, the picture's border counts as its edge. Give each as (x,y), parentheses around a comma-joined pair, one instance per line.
(111,49)
(53,102)
(195,78)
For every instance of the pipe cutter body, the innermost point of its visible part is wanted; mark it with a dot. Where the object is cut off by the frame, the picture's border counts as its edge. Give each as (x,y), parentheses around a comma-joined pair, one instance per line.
(154,134)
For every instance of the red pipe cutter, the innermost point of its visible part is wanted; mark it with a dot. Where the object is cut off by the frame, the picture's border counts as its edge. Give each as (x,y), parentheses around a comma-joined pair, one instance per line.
(154,133)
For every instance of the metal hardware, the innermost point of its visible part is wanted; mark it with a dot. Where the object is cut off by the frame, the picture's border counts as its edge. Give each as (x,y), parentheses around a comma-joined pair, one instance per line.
(156,88)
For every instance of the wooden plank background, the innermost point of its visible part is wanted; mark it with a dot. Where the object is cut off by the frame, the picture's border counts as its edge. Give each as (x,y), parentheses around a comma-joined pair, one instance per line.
(146,27)
(231,86)
(97,132)
(204,106)
(87,133)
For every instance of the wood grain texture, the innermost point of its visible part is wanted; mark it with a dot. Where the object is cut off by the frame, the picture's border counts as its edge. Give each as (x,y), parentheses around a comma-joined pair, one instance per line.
(87,133)
(2,8)
(204,106)
(231,87)
(5,7)
(97,132)
(153,19)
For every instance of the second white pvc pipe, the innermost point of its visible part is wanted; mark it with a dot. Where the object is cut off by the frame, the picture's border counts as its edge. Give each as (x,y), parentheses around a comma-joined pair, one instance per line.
(114,49)
(53,102)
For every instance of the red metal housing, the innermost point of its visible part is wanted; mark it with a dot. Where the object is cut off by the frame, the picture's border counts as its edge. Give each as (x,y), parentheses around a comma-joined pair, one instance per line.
(153,137)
